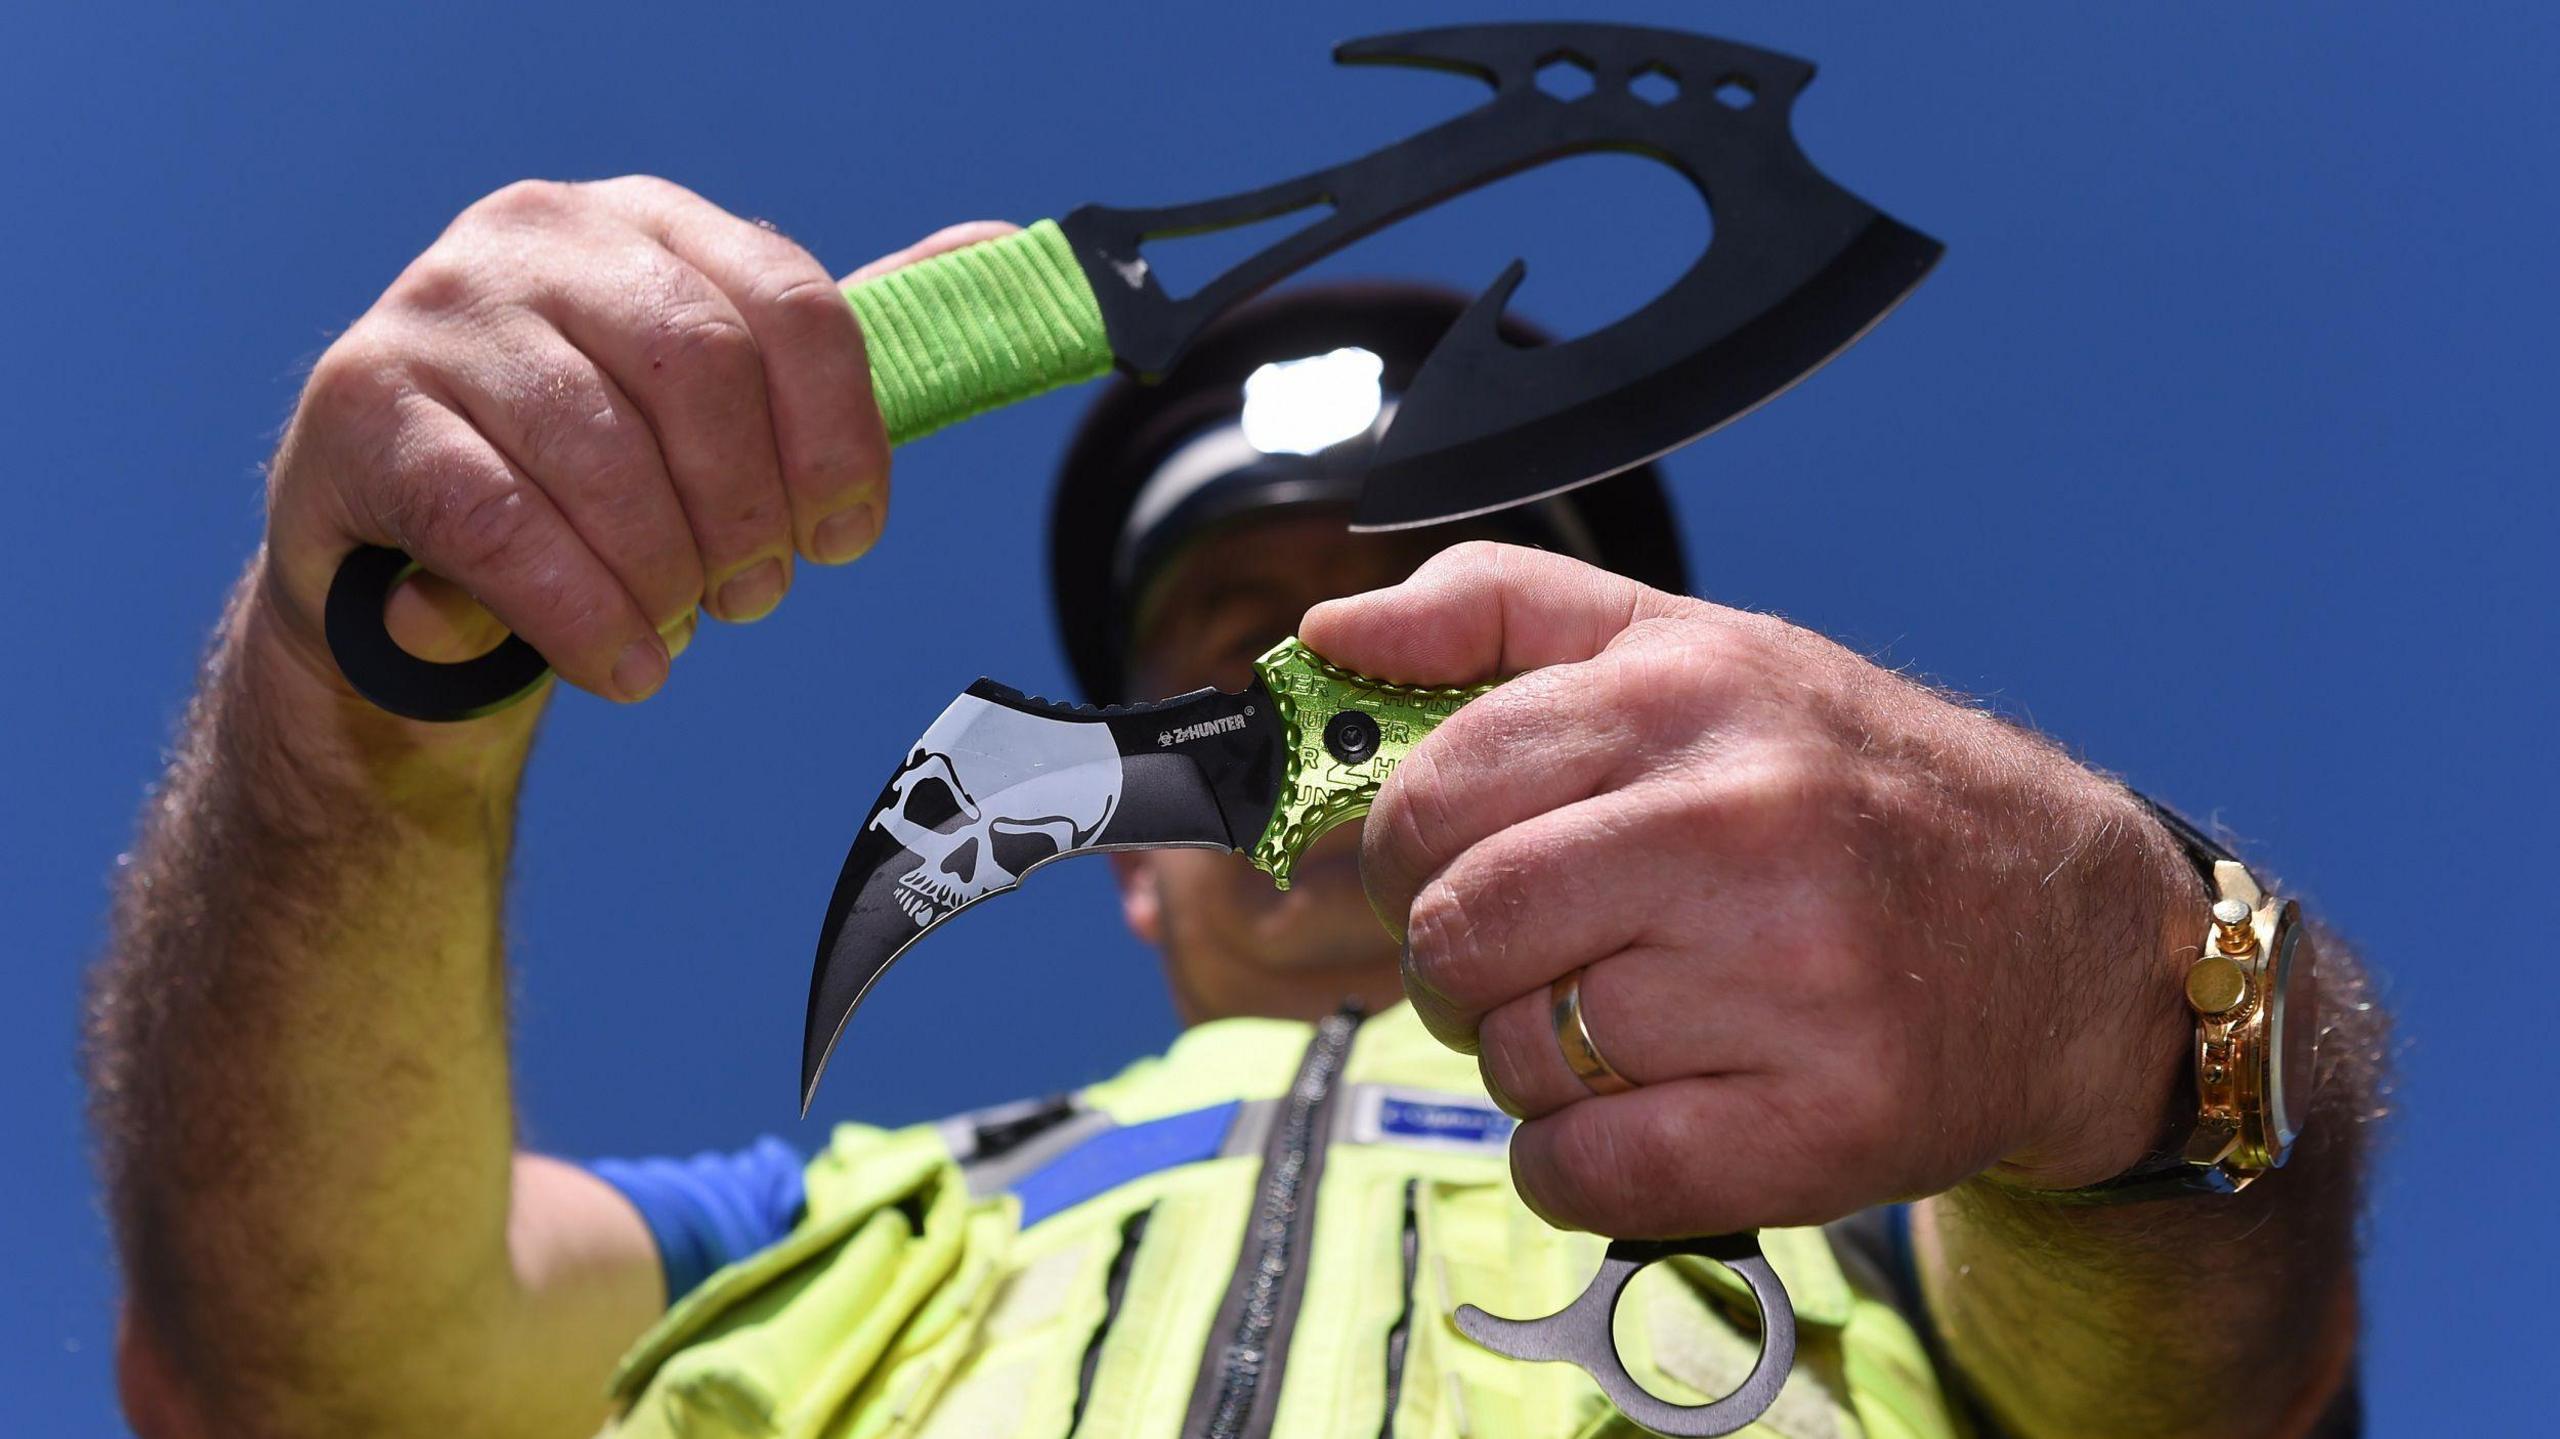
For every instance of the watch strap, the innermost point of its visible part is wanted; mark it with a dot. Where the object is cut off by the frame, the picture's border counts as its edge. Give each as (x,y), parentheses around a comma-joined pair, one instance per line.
(2201,849)
(2165,1174)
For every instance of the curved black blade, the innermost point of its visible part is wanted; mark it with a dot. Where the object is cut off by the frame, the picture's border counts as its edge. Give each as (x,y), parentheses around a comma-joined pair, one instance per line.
(1005,782)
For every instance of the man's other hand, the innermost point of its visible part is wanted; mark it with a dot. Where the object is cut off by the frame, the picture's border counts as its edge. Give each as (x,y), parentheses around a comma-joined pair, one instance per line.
(592,409)
(1852,941)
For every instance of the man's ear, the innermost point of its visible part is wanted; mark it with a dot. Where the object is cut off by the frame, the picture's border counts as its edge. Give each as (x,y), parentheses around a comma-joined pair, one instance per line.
(1141,902)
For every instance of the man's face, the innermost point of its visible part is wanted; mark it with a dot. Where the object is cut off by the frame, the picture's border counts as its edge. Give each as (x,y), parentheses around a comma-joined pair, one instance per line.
(1232,943)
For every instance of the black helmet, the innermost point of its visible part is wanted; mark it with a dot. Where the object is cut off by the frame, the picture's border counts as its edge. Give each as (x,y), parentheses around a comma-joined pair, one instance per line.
(1152,465)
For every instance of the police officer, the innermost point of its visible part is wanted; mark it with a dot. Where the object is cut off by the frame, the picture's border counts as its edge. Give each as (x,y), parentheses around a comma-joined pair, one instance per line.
(1705,924)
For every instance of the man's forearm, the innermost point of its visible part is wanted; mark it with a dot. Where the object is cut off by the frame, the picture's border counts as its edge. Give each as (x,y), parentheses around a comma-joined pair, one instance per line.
(298,1045)
(2175,1317)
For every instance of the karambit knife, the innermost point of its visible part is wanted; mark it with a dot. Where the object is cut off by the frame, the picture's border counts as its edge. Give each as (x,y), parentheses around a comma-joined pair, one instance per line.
(1005,782)
(1795,270)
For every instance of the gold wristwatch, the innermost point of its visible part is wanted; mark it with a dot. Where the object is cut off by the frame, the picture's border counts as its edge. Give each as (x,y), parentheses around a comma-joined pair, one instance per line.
(2255,992)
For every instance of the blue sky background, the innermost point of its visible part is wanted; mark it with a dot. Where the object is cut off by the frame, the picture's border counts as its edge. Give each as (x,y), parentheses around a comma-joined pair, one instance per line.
(2240,362)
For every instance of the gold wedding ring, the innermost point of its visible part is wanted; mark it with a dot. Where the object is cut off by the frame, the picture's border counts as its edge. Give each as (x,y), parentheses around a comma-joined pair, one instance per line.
(1564,1001)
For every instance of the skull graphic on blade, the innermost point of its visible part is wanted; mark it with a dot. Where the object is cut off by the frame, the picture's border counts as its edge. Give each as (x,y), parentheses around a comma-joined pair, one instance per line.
(989,793)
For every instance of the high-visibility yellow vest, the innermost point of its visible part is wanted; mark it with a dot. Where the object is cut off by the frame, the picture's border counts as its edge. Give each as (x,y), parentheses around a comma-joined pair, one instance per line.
(1262,1232)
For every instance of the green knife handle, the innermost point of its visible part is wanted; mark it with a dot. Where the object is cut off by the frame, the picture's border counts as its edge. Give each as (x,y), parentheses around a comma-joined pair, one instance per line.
(962,333)
(978,328)
(1346,733)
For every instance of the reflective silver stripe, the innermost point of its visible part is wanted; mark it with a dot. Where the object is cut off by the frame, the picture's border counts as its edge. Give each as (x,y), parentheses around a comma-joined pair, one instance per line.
(999,1172)
(996,1175)
(1252,1128)
(964,1134)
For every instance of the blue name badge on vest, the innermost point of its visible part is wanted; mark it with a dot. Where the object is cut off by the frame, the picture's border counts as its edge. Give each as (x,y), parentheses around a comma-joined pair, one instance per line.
(1383,1114)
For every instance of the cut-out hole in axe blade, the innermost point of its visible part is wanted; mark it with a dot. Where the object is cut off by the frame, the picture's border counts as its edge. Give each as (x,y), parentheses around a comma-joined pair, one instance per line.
(1796,269)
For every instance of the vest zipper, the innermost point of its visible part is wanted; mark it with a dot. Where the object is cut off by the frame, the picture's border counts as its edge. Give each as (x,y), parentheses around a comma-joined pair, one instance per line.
(1238,1391)
(1400,1333)
(1115,1287)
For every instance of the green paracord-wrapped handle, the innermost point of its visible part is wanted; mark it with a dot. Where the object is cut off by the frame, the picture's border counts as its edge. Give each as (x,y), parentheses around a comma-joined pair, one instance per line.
(979,328)
(970,330)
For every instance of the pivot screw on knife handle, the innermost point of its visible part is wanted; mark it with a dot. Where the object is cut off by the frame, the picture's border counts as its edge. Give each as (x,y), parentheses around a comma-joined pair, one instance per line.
(967,331)
(1579,1335)
(1351,736)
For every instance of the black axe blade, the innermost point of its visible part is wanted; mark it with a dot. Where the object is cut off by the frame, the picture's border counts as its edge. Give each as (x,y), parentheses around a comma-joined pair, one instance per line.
(1796,270)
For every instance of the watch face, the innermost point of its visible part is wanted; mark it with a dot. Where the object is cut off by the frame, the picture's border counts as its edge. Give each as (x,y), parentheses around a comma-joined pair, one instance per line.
(2293,1031)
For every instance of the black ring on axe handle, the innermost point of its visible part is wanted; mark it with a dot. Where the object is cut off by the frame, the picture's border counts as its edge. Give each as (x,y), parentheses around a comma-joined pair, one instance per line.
(393,679)
(1579,1335)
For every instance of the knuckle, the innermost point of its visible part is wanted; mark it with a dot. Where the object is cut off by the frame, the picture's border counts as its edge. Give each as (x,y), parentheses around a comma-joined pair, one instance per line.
(486,531)
(1442,943)
(696,337)
(525,201)
(1676,629)
(1465,921)
(1509,1072)
(1656,693)
(1732,654)
(673,573)
(830,469)
(1465,564)
(806,305)
(568,428)
(1420,824)
(655,189)
(358,381)
(754,514)
(443,281)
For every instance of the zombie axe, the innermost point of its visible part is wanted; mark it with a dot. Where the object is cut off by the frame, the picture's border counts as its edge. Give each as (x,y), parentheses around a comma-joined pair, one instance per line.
(1796,270)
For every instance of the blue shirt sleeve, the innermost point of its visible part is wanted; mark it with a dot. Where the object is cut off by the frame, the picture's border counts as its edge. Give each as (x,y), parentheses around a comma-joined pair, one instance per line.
(712,1209)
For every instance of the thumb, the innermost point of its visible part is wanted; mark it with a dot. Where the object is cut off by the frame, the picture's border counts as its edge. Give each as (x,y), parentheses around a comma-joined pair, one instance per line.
(1480,611)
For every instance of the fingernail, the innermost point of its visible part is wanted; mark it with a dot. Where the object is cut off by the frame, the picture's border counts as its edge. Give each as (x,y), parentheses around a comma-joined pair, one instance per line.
(752,593)
(678,633)
(642,668)
(847,534)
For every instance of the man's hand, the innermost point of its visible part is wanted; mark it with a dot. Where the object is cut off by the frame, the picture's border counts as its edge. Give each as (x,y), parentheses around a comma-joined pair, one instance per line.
(593,408)
(1852,942)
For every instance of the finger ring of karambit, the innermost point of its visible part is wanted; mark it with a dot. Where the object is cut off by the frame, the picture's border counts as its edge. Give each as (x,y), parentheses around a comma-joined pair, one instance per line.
(1579,1335)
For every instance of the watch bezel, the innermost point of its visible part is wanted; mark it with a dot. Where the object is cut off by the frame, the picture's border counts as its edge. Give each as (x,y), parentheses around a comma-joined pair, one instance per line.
(2289,949)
